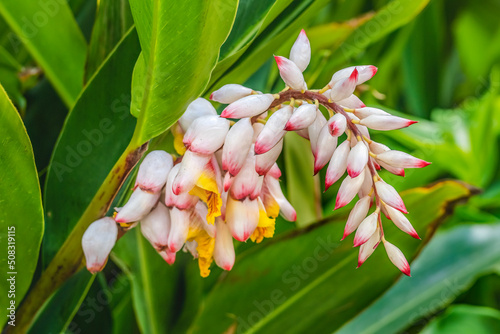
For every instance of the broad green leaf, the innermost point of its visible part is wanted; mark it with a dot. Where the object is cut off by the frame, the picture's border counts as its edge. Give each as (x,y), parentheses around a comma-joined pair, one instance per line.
(113,20)
(177,62)
(310,277)
(57,315)
(303,192)
(89,144)
(21,216)
(249,20)
(152,280)
(51,35)
(87,150)
(447,266)
(464,319)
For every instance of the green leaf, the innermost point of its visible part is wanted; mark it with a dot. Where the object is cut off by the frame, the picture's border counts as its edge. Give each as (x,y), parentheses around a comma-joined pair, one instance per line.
(177,62)
(284,279)
(152,280)
(447,266)
(392,16)
(303,192)
(113,20)
(21,216)
(51,35)
(463,319)
(89,145)
(57,315)
(85,159)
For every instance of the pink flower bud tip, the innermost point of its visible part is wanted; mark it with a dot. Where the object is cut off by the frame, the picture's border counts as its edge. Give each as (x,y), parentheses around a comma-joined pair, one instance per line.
(228,267)
(211,96)
(279,60)
(226,113)
(168,256)
(261,148)
(374,69)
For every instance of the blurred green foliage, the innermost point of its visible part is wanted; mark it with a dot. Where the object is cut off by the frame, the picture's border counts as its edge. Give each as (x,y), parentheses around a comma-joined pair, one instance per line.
(66,66)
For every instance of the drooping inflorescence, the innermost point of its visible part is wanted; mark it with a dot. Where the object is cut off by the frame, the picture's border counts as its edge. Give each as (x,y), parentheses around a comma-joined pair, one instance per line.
(224,181)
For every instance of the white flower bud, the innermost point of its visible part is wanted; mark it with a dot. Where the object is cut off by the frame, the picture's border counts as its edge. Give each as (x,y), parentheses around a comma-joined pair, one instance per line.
(344,87)
(179,228)
(265,161)
(401,221)
(348,189)
(302,117)
(290,73)
(273,131)
(337,124)
(155,227)
(386,122)
(357,159)
(274,171)
(224,248)
(191,167)
(390,196)
(366,229)
(325,147)
(237,145)
(397,258)
(400,159)
(242,217)
(97,242)
(230,93)
(206,134)
(183,200)
(300,53)
(365,72)
(357,214)
(338,164)
(153,171)
(248,106)
(368,247)
(198,108)
(138,206)
(244,183)
(314,130)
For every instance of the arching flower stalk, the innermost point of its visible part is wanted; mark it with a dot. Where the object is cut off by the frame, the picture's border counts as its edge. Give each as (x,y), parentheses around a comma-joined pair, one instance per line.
(225,182)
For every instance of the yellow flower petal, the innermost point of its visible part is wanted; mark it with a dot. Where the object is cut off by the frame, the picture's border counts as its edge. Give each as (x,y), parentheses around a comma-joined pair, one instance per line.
(206,189)
(178,137)
(265,228)
(205,249)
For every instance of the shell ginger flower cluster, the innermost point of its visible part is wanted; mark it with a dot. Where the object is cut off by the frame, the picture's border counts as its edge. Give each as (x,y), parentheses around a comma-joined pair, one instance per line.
(223,183)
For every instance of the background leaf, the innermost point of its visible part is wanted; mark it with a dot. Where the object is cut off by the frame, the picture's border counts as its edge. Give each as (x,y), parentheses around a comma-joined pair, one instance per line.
(464,253)
(263,291)
(53,38)
(177,63)
(20,206)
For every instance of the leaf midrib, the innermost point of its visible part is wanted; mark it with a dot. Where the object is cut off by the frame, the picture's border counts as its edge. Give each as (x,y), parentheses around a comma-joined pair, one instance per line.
(271,315)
